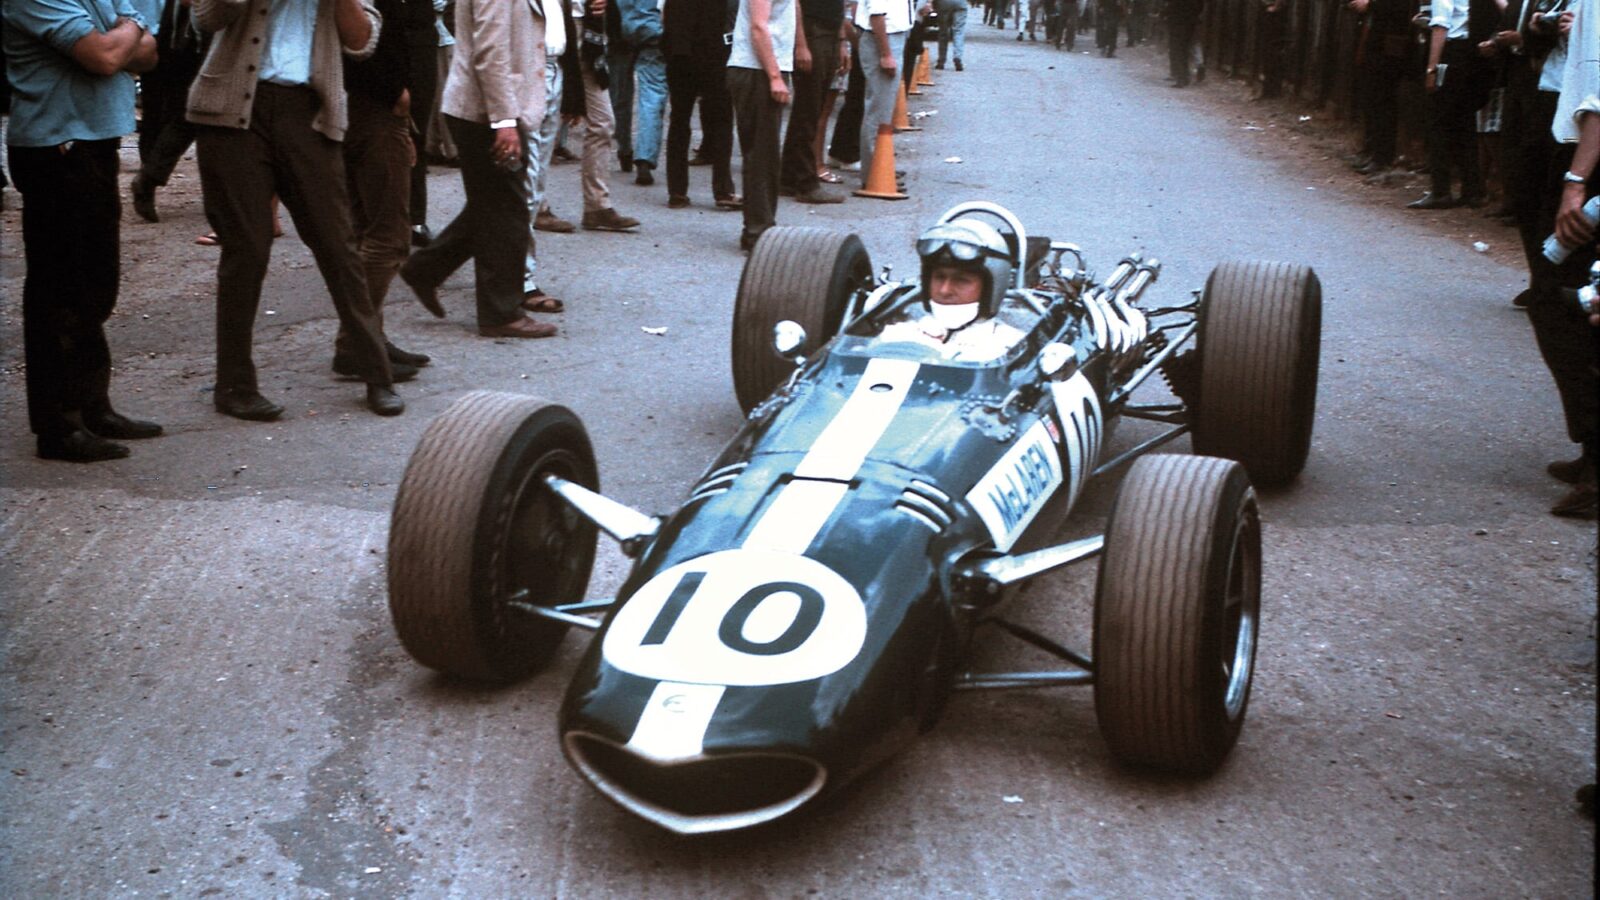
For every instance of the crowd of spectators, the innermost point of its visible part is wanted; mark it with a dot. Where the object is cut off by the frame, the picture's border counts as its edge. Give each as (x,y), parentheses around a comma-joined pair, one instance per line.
(334,108)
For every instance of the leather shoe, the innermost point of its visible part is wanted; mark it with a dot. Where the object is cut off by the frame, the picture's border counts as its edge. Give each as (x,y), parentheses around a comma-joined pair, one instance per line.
(1522,299)
(1582,502)
(144,199)
(347,367)
(818,194)
(427,295)
(421,235)
(677,201)
(518,328)
(608,219)
(1431,200)
(382,400)
(396,355)
(247,405)
(549,221)
(79,446)
(641,173)
(1570,471)
(108,423)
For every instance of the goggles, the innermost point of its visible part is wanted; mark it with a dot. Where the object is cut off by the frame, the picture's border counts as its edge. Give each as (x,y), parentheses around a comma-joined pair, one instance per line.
(958,244)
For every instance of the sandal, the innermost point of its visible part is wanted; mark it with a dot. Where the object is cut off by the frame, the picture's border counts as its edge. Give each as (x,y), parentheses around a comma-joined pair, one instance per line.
(730,201)
(539,301)
(829,176)
(209,239)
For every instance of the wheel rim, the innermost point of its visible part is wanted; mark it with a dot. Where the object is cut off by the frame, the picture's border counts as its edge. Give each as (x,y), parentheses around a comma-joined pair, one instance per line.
(1241,606)
(539,552)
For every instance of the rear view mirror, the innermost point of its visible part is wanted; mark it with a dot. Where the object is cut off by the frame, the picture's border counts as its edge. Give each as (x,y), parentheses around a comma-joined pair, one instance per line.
(788,336)
(1054,356)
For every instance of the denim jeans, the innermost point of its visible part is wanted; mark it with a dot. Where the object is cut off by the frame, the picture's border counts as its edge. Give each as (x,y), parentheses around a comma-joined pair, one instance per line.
(650,87)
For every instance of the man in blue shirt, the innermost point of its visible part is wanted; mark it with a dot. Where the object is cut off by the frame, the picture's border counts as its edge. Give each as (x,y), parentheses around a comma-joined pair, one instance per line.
(69,63)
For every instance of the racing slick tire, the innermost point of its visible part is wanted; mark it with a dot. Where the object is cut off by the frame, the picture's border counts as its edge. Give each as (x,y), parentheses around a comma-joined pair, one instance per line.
(475,533)
(1259,341)
(1176,613)
(804,274)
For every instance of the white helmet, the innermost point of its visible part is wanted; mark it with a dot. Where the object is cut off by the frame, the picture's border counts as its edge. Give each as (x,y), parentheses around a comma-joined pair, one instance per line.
(973,245)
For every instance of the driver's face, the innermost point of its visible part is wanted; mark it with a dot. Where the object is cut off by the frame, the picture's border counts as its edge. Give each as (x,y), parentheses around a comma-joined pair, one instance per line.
(948,284)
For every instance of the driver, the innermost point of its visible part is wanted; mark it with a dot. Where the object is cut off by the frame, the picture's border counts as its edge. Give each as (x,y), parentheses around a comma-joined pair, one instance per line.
(966,269)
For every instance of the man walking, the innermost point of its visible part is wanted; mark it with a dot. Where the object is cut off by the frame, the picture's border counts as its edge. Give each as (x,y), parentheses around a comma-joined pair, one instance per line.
(271,104)
(69,62)
(493,96)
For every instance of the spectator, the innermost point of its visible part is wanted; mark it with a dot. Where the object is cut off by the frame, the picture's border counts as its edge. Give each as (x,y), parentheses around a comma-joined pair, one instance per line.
(829,46)
(164,133)
(845,151)
(1381,65)
(438,146)
(1567,338)
(1138,19)
(378,158)
(490,101)
(767,45)
(697,71)
(643,70)
(1107,21)
(1272,31)
(423,32)
(881,27)
(1534,46)
(563,99)
(1183,19)
(1453,104)
(271,104)
(599,127)
(952,28)
(68,63)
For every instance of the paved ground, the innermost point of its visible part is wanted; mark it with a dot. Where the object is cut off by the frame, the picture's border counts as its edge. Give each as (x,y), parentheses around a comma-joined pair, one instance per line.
(201,693)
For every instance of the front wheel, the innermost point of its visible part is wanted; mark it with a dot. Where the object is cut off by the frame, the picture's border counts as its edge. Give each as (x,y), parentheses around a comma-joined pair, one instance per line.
(1176,611)
(476,536)
(807,275)
(1258,345)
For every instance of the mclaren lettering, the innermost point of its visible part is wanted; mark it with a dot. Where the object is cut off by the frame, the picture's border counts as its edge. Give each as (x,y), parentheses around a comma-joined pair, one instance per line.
(1010,495)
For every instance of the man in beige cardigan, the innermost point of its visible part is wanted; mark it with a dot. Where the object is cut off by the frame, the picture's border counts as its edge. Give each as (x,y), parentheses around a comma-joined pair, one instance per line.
(494,95)
(270,101)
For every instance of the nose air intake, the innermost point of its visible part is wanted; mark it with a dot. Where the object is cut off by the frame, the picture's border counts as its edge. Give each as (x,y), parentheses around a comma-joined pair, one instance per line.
(702,795)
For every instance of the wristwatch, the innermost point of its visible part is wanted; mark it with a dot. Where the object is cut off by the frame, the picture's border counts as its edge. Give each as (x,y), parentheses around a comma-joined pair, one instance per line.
(1571,177)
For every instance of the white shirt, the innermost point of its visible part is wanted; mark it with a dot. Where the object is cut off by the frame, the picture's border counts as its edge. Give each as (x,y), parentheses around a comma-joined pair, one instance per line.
(1451,15)
(978,342)
(555,35)
(780,26)
(896,14)
(1580,79)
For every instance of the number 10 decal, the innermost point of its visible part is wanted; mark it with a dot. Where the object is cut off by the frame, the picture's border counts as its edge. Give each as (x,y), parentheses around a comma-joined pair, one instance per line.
(739,617)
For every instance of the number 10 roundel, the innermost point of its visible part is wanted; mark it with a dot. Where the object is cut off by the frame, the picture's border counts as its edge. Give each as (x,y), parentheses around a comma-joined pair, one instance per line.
(740,618)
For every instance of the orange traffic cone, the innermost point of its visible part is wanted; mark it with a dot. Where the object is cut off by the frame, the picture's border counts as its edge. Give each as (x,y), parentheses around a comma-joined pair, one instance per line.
(924,74)
(916,76)
(880,180)
(902,119)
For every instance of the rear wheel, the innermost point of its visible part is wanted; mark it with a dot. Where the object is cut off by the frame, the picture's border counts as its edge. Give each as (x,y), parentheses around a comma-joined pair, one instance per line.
(1176,611)
(476,536)
(804,274)
(1258,345)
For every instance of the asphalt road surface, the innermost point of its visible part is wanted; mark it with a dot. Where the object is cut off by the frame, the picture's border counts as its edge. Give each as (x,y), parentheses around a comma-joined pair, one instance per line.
(201,694)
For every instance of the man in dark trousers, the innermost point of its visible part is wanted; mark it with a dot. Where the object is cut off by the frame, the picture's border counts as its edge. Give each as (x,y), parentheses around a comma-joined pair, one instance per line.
(494,96)
(767,45)
(829,43)
(68,62)
(696,38)
(164,133)
(1183,20)
(1457,80)
(1384,55)
(270,101)
(378,155)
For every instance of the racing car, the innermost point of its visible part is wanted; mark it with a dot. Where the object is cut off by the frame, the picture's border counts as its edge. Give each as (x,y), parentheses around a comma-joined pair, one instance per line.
(813,601)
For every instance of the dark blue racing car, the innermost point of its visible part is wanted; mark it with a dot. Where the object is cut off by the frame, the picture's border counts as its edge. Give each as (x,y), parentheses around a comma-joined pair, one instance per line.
(808,608)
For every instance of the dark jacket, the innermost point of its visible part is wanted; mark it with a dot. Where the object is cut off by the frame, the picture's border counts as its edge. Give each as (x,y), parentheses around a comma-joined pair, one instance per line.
(387,72)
